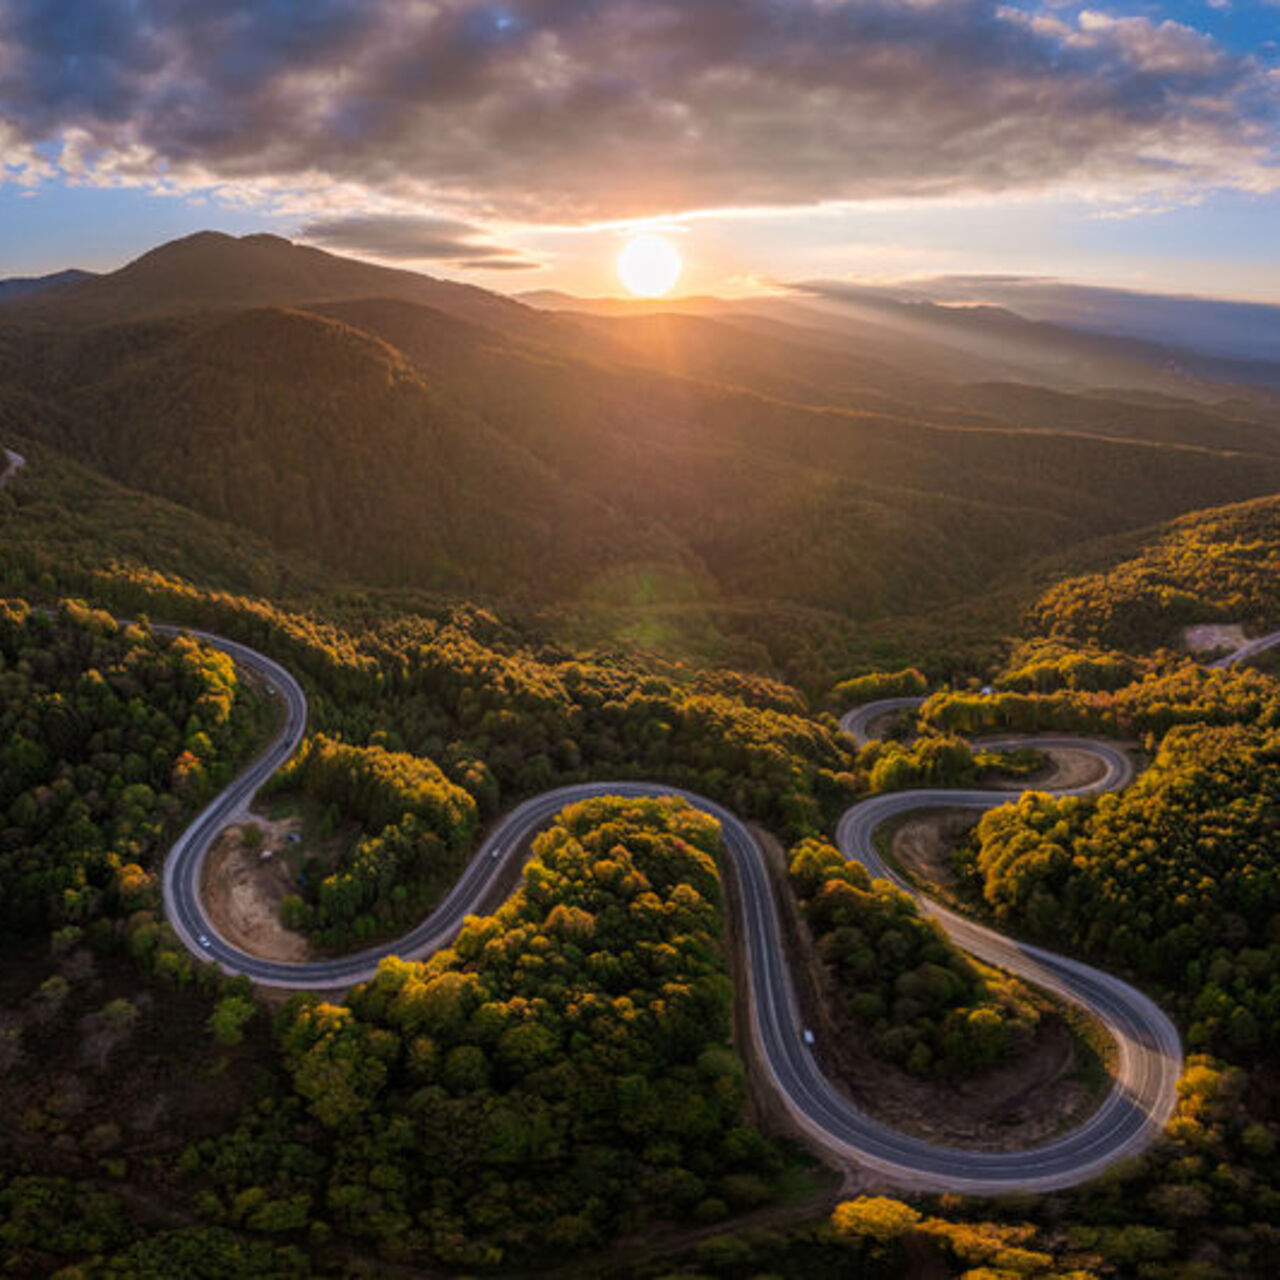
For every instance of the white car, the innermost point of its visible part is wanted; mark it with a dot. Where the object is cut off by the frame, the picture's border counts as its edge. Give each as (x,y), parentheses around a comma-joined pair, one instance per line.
(808,1037)
(203,940)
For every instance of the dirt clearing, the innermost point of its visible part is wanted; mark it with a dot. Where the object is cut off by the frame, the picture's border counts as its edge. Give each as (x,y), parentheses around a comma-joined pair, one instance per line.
(922,845)
(1025,1101)
(244,885)
(1066,768)
(883,725)
(1211,637)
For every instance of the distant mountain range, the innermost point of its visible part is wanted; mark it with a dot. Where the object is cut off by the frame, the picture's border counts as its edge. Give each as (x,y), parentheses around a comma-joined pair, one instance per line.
(1234,330)
(1011,346)
(402,430)
(27,286)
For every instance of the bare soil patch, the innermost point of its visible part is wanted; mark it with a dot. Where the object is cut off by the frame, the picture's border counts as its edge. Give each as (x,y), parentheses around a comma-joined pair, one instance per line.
(243,887)
(1066,767)
(883,725)
(1027,1100)
(1213,637)
(922,844)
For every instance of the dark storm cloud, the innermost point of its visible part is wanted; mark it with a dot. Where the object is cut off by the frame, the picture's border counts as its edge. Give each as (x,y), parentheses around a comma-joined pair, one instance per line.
(586,108)
(411,239)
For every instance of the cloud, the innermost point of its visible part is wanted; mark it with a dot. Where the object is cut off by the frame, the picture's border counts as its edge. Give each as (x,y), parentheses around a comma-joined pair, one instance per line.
(500,264)
(413,239)
(574,110)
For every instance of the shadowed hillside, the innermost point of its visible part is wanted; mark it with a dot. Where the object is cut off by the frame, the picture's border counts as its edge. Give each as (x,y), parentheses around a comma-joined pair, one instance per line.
(557,458)
(324,440)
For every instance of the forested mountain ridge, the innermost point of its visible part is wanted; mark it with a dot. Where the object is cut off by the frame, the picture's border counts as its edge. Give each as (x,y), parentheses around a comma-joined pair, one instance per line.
(211,271)
(958,342)
(1220,565)
(324,440)
(25,286)
(476,446)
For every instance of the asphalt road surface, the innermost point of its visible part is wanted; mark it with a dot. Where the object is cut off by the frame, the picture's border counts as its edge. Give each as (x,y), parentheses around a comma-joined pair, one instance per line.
(857,723)
(1250,649)
(1148,1059)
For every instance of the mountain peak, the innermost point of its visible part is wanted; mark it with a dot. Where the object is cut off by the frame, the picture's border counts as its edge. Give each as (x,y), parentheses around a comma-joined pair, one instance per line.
(29,286)
(214,271)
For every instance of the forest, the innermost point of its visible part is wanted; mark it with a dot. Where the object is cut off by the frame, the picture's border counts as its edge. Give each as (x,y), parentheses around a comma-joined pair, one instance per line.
(420,828)
(899,981)
(832,540)
(1221,565)
(579,1038)
(1174,881)
(111,737)
(438,719)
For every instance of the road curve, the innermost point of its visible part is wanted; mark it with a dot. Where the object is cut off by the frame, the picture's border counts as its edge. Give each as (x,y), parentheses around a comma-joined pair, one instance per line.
(1149,1057)
(1250,649)
(185,861)
(857,723)
(1148,1050)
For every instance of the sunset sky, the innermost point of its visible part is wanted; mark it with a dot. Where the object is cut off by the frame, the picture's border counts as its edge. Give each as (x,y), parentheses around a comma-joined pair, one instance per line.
(516,145)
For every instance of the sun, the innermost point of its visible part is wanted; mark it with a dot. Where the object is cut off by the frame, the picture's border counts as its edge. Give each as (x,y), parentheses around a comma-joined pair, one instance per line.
(649,266)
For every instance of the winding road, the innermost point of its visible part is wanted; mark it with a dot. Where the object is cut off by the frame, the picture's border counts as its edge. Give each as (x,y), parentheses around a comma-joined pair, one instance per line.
(1149,1055)
(1250,649)
(857,723)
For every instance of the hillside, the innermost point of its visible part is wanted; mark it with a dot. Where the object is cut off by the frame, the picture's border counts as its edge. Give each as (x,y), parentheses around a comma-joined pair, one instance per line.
(13,287)
(478,447)
(1216,566)
(325,441)
(210,270)
(1058,355)
(60,516)
(962,343)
